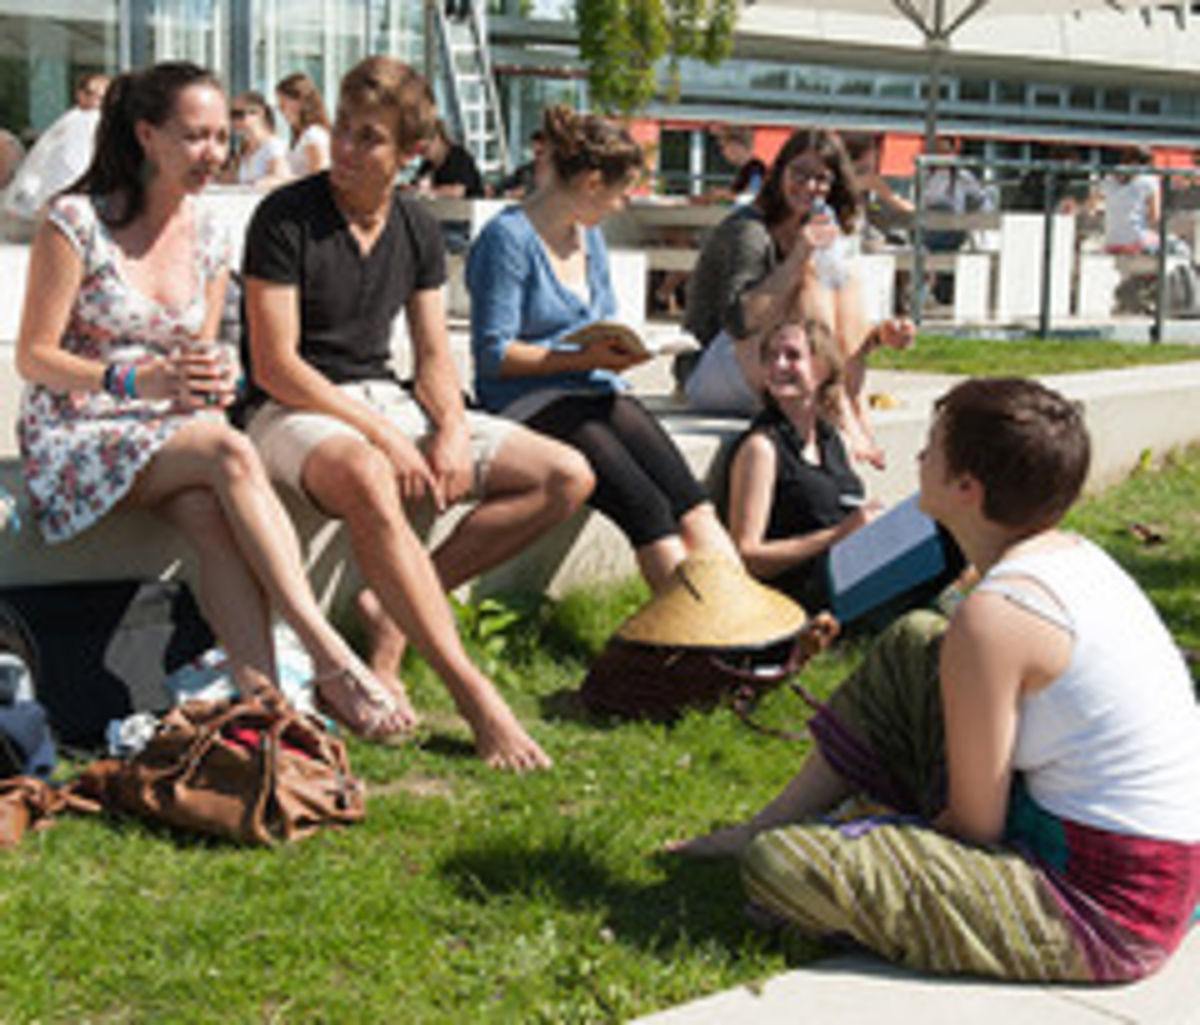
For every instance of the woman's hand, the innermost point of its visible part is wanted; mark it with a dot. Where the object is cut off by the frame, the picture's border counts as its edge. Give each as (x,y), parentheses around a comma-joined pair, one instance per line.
(196,376)
(611,354)
(870,510)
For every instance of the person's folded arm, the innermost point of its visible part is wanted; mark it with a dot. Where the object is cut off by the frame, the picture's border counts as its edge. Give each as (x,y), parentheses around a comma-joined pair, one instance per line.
(55,274)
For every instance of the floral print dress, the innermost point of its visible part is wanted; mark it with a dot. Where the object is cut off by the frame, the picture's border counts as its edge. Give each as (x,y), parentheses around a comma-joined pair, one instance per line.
(82,451)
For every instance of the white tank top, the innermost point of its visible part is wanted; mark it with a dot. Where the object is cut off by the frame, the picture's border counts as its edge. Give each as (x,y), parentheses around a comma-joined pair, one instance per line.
(1114,742)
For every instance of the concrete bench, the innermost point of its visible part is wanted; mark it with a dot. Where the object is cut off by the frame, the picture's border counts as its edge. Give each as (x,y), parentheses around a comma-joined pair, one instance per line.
(1130,412)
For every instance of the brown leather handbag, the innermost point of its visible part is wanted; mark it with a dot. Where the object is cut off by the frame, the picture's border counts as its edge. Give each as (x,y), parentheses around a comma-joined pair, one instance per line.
(255,772)
(27,802)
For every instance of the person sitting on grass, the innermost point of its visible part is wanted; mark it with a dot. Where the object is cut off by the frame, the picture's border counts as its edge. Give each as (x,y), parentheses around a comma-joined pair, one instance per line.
(1037,755)
(793,493)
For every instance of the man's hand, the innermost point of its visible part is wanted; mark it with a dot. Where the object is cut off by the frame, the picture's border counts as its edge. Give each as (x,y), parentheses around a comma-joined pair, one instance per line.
(414,477)
(451,461)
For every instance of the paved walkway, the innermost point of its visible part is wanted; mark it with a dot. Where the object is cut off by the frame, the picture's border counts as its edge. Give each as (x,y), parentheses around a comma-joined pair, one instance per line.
(862,990)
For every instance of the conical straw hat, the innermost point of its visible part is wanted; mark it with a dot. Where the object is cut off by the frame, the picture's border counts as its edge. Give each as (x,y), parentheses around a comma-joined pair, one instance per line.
(712,602)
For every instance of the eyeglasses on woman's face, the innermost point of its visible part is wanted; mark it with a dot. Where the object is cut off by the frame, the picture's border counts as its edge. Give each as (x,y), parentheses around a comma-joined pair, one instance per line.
(804,171)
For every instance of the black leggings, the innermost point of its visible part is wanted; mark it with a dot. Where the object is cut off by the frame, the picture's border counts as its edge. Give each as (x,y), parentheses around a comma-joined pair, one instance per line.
(643,483)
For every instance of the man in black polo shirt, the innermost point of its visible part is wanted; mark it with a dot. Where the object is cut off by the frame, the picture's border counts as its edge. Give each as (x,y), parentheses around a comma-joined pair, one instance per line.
(329,262)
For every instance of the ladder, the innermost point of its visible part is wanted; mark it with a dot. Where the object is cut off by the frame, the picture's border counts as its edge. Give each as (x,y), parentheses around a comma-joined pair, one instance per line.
(472,101)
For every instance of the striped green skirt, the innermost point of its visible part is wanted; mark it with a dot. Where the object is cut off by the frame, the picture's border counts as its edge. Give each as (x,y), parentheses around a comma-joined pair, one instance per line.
(878,874)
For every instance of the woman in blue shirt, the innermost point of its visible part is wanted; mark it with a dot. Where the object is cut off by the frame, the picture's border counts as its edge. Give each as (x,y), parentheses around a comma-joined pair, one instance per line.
(539,272)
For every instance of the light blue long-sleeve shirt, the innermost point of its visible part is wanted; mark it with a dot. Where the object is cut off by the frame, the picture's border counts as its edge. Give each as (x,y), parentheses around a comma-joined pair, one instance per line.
(516,296)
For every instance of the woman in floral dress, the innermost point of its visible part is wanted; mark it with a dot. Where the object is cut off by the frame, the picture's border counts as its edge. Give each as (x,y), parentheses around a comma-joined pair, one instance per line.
(126,385)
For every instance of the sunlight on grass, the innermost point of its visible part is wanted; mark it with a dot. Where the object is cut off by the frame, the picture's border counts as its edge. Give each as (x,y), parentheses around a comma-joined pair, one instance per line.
(469,896)
(1033,357)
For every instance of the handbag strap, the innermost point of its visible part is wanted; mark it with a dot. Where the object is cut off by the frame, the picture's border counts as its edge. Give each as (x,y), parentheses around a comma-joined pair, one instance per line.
(816,636)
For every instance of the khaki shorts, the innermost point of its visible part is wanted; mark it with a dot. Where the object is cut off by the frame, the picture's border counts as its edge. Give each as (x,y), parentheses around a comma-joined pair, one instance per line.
(285,437)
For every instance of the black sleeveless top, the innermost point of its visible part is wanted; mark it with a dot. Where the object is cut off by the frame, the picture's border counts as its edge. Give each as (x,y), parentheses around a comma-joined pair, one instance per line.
(807,497)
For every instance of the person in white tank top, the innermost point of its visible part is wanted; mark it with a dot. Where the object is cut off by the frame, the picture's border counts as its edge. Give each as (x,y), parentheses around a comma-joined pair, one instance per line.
(1043,745)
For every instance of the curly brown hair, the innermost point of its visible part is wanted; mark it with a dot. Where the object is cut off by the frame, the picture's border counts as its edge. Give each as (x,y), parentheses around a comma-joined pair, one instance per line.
(576,143)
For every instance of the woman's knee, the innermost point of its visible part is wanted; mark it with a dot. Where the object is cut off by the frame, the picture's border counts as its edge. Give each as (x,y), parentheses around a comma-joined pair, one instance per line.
(231,456)
(198,513)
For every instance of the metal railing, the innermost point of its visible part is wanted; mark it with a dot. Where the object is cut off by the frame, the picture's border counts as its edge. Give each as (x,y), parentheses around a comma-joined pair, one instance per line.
(992,174)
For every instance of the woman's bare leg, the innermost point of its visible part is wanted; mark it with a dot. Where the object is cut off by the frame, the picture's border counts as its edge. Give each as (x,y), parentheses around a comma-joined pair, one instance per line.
(229,595)
(701,530)
(209,454)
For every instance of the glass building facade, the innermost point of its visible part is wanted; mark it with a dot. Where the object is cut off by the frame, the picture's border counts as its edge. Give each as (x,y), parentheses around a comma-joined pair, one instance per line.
(249,43)
(44,46)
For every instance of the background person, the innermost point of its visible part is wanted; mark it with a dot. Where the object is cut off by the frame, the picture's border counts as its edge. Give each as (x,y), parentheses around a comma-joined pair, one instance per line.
(126,281)
(1037,756)
(539,271)
(299,101)
(330,261)
(793,493)
(448,168)
(61,154)
(262,157)
(1132,206)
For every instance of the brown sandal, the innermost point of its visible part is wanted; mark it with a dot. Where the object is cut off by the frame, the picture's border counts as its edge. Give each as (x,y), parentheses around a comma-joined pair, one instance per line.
(353,697)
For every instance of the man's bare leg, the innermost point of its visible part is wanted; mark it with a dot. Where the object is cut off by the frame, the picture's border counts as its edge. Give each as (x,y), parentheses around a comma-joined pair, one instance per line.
(533,483)
(353,480)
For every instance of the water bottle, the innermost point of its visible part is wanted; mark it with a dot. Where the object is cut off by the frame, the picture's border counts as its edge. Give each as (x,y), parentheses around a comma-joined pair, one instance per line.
(825,260)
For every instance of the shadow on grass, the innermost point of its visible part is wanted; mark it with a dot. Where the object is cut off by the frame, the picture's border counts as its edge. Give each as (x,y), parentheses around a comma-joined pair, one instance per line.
(694,902)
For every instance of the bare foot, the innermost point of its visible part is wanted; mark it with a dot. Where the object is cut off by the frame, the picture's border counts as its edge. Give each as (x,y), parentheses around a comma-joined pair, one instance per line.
(503,743)
(870,453)
(721,843)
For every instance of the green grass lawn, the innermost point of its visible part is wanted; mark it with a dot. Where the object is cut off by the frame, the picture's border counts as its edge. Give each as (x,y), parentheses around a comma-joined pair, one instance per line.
(469,896)
(1032,356)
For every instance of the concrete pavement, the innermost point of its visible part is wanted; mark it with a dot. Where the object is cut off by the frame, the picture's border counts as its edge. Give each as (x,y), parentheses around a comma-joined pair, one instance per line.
(862,990)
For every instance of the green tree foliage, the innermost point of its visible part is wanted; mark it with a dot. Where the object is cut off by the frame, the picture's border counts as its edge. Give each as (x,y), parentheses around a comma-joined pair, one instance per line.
(622,42)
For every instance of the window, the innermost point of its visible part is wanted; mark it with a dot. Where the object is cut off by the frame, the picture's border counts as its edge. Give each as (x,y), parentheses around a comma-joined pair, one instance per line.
(1008,91)
(41,57)
(974,90)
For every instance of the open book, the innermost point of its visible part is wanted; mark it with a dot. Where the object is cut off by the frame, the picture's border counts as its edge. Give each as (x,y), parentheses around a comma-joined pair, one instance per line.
(600,331)
(901,553)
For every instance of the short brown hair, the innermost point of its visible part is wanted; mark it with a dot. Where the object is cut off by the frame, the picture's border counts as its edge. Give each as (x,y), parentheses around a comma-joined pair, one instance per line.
(384,83)
(1025,443)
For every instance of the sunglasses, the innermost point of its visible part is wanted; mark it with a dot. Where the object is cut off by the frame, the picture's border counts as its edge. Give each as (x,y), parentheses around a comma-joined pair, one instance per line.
(237,113)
